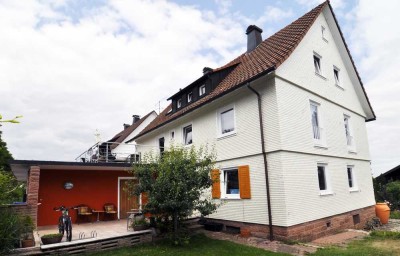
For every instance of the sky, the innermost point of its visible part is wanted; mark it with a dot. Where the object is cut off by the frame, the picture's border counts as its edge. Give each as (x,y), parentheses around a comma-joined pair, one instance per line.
(71,66)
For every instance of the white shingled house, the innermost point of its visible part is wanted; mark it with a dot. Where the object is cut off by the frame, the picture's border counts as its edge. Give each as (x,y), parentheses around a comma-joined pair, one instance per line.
(287,119)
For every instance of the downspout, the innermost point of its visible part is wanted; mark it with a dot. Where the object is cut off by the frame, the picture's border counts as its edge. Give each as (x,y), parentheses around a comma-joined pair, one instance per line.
(271,232)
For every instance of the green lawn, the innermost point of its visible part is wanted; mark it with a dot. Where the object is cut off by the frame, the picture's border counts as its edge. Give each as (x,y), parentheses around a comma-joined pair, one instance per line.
(380,243)
(199,245)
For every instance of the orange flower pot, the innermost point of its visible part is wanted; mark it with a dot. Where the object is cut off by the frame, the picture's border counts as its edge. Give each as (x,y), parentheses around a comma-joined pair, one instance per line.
(382,211)
(244,232)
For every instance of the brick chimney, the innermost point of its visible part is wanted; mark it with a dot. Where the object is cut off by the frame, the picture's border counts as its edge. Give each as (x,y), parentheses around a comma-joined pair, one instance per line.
(253,37)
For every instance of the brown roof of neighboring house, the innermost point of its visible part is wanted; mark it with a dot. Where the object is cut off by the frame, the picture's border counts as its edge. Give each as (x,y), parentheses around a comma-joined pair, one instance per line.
(125,133)
(267,56)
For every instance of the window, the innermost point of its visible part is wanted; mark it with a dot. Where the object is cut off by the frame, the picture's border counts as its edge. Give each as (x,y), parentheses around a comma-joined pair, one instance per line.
(336,75)
(316,123)
(231,183)
(172,135)
(317,64)
(161,145)
(187,135)
(351,178)
(179,103)
(189,97)
(323,180)
(349,137)
(230,179)
(323,32)
(226,121)
(202,90)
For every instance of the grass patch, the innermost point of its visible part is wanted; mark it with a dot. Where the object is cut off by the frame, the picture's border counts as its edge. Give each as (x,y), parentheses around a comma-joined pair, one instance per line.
(199,245)
(379,243)
(395,214)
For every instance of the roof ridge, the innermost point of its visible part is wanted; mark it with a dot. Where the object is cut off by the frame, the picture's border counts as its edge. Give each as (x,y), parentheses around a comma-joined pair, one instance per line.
(267,56)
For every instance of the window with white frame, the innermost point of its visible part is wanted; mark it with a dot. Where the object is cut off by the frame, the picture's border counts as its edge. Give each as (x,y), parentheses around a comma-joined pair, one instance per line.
(348,132)
(202,90)
(230,183)
(316,123)
(187,135)
(172,135)
(189,97)
(323,32)
(179,103)
(323,179)
(336,72)
(351,178)
(317,64)
(226,121)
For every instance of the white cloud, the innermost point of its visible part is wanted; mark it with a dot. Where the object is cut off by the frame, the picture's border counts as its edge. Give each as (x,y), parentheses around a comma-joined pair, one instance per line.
(70,75)
(377,41)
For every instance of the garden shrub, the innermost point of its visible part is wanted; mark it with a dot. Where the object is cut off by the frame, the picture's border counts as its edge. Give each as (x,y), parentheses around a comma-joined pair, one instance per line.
(10,230)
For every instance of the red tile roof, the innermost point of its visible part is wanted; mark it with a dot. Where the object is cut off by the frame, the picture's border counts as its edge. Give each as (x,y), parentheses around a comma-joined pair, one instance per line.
(125,133)
(267,56)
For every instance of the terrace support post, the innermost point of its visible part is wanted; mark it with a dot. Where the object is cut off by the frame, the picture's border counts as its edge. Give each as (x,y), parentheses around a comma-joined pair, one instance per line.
(32,199)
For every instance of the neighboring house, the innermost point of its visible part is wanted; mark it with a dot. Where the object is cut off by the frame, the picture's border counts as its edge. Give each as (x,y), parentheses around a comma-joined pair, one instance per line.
(122,147)
(391,175)
(97,180)
(287,119)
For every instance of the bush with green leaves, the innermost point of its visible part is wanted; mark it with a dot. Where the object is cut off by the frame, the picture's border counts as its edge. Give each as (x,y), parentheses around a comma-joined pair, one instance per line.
(175,183)
(10,230)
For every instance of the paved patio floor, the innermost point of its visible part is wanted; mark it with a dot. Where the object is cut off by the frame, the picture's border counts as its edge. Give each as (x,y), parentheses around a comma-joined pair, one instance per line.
(103,229)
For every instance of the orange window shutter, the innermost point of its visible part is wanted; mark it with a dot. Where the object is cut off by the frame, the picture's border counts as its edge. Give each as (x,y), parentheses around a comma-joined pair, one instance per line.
(244,182)
(216,187)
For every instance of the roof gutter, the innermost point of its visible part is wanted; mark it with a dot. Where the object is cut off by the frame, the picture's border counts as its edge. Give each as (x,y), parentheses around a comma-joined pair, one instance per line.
(271,231)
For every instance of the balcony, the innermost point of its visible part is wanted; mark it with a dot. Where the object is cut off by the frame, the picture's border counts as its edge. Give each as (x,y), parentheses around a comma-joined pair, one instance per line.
(110,152)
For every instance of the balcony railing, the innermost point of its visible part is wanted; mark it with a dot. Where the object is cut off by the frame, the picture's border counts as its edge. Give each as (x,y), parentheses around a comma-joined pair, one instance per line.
(102,152)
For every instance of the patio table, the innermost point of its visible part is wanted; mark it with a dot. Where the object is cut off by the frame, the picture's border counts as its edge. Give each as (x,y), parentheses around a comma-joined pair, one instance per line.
(98,213)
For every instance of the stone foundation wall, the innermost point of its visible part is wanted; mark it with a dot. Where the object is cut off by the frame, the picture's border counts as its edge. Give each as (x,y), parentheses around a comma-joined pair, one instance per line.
(309,230)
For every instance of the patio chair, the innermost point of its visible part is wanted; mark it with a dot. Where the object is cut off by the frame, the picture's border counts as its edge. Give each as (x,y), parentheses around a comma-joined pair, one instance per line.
(84,212)
(110,210)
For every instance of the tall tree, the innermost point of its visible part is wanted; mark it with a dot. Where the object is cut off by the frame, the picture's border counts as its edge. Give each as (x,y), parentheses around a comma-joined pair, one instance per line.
(5,155)
(175,183)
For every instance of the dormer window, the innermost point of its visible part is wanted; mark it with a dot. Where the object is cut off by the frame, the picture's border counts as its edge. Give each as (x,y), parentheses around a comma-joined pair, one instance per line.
(202,90)
(179,103)
(189,97)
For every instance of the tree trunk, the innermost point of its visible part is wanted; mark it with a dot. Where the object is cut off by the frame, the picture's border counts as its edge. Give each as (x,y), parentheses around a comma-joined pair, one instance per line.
(175,224)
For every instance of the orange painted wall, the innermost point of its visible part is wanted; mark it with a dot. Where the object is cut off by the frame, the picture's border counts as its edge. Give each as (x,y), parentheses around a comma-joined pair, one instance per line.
(93,188)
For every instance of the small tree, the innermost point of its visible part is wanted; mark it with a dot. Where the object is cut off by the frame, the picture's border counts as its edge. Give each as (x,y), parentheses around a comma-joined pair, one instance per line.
(175,182)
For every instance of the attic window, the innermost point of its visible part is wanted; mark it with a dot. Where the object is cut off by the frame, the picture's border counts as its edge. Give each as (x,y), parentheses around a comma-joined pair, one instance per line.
(317,64)
(323,32)
(202,90)
(179,103)
(189,97)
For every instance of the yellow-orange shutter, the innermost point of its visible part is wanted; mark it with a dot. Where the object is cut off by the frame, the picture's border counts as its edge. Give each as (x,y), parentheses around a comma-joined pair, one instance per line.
(244,182)
(216,187)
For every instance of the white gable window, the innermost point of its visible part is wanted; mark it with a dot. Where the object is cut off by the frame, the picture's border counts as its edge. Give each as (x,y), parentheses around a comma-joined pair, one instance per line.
(230,183)
(324,179)
(226,121)
(336,75)
(323,33)
(187,135)
(202,90)
(349,134)
(179,103)
(317,64)
(316,122)
(189,97)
